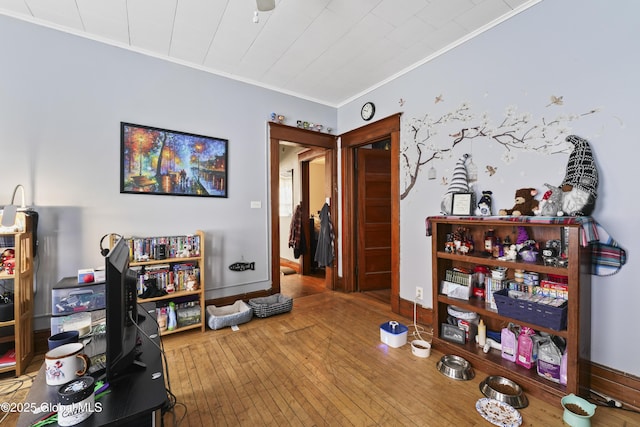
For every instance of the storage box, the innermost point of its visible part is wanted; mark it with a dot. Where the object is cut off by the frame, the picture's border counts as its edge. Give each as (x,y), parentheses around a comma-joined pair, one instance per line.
(393,334)
(188,316)
(68,297)
(81,322)
(545,315)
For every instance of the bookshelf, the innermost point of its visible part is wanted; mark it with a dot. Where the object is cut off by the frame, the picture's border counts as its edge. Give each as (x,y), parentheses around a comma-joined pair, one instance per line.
(173,264)
(16,331)
(577,271)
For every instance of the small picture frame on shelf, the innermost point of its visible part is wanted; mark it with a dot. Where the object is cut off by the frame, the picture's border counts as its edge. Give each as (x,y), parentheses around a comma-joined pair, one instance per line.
(452,333)
(461,204)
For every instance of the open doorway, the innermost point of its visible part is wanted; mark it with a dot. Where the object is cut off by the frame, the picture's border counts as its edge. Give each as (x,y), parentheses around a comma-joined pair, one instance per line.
(303,180)
(310,154)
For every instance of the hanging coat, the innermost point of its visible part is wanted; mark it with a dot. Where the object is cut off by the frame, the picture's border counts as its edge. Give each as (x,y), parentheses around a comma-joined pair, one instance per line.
(324,250)
(296,235)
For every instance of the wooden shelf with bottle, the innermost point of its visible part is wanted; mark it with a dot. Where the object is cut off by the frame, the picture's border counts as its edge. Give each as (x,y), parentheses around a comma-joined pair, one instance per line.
(19,330)
(194,254)
(576,272)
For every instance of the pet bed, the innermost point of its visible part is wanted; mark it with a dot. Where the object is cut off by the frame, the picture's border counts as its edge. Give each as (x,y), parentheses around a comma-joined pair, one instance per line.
(228,315)
(271,305)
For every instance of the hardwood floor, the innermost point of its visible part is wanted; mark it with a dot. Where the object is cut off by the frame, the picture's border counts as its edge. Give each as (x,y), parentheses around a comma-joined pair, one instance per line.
(323,364)
(298,285)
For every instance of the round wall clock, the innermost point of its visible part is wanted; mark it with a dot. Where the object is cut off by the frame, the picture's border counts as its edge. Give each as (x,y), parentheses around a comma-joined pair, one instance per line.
(368,110)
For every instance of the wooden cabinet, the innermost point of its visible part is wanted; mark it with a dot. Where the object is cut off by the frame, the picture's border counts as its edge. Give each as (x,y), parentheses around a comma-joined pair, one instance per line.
(17,333)
(577,271)
(182,256)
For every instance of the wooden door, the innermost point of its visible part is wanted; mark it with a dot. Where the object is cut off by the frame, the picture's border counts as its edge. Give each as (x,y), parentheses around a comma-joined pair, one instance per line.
(373,190)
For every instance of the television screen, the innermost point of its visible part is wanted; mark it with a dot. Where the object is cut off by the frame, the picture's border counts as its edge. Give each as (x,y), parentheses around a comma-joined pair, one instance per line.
(121,312)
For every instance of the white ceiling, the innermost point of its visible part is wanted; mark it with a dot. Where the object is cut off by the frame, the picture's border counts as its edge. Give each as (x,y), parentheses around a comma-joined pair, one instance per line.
(329,51)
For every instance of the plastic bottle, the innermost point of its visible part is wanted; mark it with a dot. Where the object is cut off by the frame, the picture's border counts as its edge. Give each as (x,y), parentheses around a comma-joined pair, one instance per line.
(172,317)
(482,333)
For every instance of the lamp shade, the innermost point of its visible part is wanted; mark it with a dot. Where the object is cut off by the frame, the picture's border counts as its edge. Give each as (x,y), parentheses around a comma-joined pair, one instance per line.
(265,5)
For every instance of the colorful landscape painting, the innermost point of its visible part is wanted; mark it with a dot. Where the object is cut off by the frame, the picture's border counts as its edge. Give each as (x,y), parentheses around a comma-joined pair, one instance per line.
(160,161)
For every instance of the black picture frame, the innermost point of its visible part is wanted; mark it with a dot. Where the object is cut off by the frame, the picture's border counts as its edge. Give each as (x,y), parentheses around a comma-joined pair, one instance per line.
(452,333)
(462,204)
(167,162)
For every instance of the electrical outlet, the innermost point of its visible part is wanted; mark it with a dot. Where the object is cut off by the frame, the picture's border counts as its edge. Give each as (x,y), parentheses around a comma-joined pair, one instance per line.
(419,292)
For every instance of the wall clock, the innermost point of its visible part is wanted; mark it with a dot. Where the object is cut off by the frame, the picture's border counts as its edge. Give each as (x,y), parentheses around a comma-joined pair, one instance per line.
(368,110)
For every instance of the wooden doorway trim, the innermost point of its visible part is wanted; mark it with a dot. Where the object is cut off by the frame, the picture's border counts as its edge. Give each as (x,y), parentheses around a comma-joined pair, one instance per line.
(311,139)
(385,128)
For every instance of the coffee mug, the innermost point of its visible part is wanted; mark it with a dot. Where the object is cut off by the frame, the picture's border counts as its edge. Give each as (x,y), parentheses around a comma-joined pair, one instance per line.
(65,363)
(62,338)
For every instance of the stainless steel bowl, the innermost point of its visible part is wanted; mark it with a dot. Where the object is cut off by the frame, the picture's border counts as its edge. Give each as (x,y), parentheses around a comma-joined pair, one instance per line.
(455,367)
(504,390)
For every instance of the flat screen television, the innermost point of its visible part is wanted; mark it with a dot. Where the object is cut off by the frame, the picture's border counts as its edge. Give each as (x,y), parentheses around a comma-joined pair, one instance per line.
(121,313)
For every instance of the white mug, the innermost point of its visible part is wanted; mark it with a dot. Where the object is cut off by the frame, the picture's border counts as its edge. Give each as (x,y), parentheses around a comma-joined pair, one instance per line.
(65,363)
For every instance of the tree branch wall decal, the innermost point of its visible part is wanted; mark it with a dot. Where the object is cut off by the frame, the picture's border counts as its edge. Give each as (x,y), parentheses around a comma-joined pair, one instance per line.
(423,144)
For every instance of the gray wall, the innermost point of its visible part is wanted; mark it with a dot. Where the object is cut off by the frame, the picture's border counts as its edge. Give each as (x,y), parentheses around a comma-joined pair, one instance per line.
(583,51)
(62,99)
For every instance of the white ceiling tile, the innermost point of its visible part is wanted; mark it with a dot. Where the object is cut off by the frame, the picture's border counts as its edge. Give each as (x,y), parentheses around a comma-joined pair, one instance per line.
(195,25)
(105,19)
(397,12)
(151,25)
(63,12)
(482,14)
(439,12)
(328,50)
(14,6)
(411,33)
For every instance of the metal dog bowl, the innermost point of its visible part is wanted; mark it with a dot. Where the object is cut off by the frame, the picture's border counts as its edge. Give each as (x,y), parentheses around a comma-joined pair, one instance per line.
(455,367)
(504,390)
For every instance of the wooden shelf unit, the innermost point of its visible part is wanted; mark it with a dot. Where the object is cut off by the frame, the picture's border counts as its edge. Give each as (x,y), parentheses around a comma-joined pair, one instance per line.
(577,332)
(21,282)
(199,293)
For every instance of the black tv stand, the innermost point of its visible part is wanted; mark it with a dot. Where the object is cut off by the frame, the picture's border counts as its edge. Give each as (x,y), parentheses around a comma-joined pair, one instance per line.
(137,400)
(139,365)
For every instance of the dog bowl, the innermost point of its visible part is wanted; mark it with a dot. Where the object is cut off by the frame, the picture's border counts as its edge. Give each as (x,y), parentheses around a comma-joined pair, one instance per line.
(455,367)
(577,411)
(504,390)
(420,348)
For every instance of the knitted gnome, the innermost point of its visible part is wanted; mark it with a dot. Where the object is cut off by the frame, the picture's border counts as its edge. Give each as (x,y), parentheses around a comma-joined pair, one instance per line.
(458,184)
(580,185)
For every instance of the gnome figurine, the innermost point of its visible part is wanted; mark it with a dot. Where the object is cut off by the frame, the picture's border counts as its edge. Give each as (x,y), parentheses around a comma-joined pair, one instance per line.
(484,205)
(459,184)
(580,184)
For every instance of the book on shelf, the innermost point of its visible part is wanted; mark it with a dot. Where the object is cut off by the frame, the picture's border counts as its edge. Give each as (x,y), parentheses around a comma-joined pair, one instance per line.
(8,359)
(163,247)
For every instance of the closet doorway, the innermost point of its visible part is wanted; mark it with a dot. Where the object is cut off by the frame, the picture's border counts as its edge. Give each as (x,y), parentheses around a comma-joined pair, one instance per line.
(355,252)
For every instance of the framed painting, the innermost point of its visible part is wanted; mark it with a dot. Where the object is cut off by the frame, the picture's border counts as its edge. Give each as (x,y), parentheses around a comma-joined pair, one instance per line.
(167,162)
